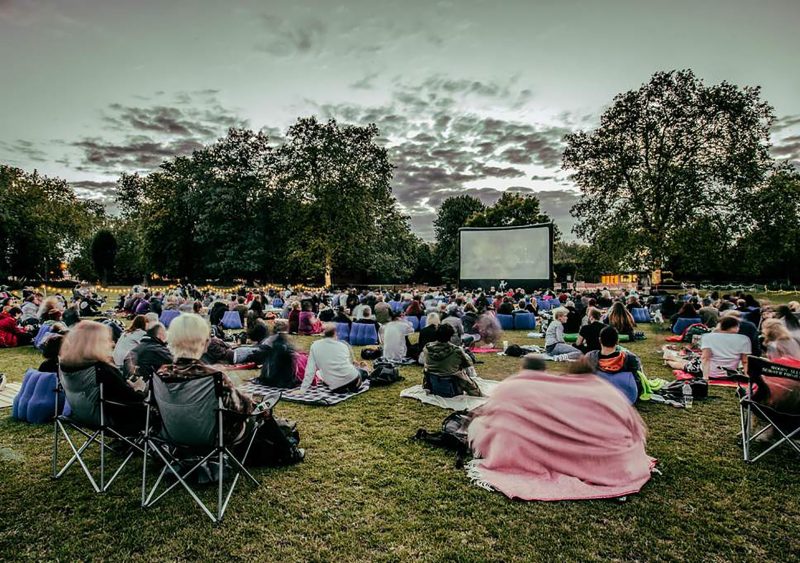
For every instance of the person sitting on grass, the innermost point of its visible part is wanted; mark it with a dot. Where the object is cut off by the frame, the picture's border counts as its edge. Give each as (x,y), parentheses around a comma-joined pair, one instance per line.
(11,334)
(543,436)
(611,359)
(394,336)
(85,358)
(278,369)
(621,319)
(724,348)
(442,358)
(589,334)
(187,340)
(332,361)
(130,339)
(51,347)
(554,343)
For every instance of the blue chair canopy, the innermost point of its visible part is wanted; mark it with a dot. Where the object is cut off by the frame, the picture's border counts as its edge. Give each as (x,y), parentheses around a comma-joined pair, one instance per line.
(640,315)
(343,331)
(363,334)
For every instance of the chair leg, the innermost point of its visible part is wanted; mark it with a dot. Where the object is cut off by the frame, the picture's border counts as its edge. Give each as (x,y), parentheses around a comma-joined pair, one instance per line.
(220,484)
(102,460)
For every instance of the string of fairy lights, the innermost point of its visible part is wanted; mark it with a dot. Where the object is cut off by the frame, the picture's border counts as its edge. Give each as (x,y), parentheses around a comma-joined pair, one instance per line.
(167,288)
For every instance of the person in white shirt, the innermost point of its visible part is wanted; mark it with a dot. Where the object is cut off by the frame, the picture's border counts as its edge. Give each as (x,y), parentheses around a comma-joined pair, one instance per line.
(332,360)
(724,348)
(395,338)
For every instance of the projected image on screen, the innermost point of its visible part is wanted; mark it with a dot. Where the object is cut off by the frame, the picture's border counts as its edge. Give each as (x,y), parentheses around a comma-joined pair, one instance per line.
(512,254)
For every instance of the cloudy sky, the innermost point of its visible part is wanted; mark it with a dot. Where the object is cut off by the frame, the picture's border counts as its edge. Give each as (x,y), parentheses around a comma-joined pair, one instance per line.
(471,96)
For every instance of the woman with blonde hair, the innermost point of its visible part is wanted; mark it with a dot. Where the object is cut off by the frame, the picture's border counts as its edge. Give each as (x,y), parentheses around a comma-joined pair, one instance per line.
(50,309)
(621,319)
(778,341)
(85,359)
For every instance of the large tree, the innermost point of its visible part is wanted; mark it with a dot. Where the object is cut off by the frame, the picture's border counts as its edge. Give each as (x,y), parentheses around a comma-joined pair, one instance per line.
(511,210)
(670,153)
(341,178)
(42,223)
(104,253)
(452,215)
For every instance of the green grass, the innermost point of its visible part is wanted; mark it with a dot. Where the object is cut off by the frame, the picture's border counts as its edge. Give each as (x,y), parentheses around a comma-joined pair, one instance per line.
(368,493)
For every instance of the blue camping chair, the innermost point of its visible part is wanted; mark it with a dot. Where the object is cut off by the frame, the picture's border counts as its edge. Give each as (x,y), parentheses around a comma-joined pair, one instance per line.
(423,322)
(414,322)
(683,323)
(231,320)
(506,321)
(640,315)
(524,321)
(362,334)
(343,331)
(168,316)
(277,303)
(396,306)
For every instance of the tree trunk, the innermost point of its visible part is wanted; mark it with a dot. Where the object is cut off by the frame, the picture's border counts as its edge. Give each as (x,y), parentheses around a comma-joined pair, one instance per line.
(328,269)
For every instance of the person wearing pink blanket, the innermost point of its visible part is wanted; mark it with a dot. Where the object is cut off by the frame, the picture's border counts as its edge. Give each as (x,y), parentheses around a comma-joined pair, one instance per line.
(543,436)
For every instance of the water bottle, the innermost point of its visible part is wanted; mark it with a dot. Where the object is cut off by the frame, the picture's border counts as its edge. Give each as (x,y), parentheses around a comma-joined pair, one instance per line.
(687,395)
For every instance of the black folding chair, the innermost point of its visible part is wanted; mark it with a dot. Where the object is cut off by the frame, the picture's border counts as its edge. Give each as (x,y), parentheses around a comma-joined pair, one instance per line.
(772,394)
(85,393)
(191,433)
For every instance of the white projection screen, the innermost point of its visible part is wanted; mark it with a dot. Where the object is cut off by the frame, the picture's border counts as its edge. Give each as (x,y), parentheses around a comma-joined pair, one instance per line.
(520,256)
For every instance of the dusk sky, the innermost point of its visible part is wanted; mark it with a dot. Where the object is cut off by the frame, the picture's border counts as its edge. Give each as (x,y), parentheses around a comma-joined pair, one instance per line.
(470,96)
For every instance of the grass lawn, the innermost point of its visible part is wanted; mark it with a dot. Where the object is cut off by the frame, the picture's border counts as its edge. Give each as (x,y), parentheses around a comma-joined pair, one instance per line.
(366,492)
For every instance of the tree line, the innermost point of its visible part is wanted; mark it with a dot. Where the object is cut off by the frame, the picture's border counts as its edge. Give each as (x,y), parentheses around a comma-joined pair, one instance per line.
(678,175)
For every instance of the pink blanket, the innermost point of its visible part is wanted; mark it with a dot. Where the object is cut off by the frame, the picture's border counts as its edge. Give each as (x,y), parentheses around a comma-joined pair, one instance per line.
(557,437)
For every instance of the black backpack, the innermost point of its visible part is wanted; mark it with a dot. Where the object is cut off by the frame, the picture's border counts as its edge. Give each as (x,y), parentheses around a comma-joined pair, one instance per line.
(515,351)
(674,389)
(453,435)
(384,373)
(371,353)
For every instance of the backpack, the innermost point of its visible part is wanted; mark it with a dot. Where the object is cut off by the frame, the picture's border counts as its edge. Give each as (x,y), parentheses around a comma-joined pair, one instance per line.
(371,353)
(674,389)
(384,373)
(117,328)
(697,329)
(453,435)
(515,350)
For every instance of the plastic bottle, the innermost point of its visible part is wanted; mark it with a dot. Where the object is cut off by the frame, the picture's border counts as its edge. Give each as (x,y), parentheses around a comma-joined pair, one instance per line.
(687,395)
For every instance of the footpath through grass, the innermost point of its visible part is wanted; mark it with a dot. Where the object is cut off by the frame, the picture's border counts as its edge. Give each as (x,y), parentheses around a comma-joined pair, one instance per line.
(368,493)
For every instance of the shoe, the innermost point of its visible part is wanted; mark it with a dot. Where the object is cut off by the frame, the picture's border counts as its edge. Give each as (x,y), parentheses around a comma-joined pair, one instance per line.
(2,381)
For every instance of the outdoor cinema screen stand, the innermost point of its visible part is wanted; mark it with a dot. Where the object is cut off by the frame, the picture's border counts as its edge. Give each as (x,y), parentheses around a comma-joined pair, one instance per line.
(519,256)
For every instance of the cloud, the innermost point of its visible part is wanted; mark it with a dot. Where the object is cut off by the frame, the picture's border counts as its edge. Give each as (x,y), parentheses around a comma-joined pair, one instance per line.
(27,149)
(101,192)
(148,135)
(785,122)
(286,39)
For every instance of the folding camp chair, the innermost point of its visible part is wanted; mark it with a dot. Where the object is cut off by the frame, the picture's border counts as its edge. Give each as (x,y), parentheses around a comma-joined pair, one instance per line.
(84,391)
(192,433)
(773,395)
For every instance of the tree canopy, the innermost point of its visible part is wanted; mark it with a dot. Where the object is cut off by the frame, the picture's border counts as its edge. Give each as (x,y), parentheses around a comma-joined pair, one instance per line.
(674,152)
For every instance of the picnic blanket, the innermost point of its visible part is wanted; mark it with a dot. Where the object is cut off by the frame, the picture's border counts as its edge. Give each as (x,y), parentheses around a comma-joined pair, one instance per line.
(8,393)
(681,375)
(460,402)
(485,350)
(319,394)
(584,442)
